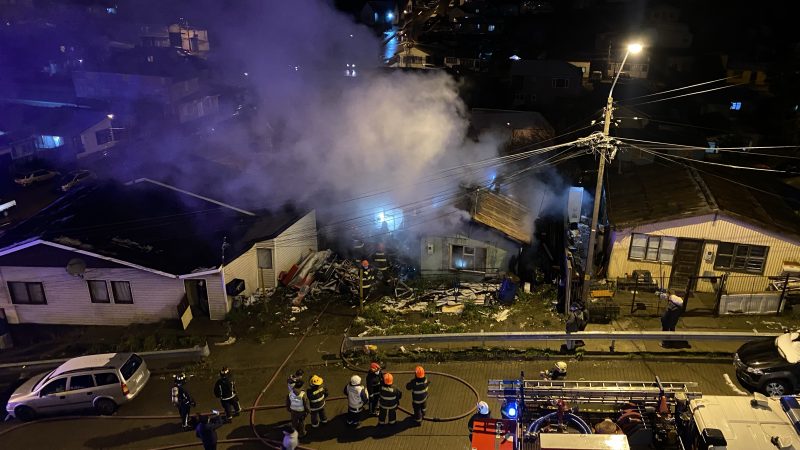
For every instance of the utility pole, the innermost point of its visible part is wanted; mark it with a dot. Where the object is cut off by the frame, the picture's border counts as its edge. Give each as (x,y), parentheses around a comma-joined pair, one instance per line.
(598,190)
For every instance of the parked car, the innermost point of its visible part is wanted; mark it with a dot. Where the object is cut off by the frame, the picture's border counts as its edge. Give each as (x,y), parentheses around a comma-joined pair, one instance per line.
(75,178)
(771,365)
(98,382)
(35,176)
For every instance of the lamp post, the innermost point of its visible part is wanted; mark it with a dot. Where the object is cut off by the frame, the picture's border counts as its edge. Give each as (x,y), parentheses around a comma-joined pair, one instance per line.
(598,190)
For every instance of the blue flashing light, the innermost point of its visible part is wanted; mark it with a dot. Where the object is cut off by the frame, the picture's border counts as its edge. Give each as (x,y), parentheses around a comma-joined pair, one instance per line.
(509,409)
(389,16)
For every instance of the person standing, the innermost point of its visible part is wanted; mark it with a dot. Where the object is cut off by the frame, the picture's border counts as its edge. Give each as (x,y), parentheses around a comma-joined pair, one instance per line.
(182,399)
(298,406)
(389,401)
(357,398)
(673,311)
(374,384)
(206,431)
(290,438)
(481,413)
(316,399)
(381,261)
(294,378)
(367,279)
(419,393)
(225,391)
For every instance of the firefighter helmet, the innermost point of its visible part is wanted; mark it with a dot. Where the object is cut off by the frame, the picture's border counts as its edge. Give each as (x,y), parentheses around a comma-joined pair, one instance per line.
(388,379)
(365,264)
(560,367)
(224,372)
(483,407)
(374,367)
(420,371)
(355,380)
(316,380)
(180,378)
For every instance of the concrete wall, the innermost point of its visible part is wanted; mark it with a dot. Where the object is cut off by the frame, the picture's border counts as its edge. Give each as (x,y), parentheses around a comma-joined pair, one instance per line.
(155,297)
(712,229)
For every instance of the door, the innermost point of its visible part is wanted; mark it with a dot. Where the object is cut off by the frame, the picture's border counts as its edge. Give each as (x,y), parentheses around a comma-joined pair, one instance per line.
(685,263)
(80,392)
(52,397)
(197,294)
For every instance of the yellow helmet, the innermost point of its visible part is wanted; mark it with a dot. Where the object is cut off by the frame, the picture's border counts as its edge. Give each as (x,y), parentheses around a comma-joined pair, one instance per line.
(316,380)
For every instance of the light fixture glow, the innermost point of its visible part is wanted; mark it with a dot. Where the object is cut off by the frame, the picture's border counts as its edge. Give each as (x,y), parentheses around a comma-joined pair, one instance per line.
(635,47)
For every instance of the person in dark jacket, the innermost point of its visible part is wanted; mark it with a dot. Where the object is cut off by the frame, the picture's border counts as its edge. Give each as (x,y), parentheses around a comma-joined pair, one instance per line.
(389,401)
(206,431)
(374,384)
(317,394)
(225,391)
(672,312)
(419,393)
(182,399)
(481,413)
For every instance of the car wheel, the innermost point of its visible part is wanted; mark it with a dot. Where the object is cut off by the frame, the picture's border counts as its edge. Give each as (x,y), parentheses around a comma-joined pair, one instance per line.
(24,413)
(776,388)
(105,407)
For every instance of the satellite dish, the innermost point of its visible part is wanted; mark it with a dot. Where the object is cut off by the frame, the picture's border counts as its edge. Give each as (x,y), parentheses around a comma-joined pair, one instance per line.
(76,267)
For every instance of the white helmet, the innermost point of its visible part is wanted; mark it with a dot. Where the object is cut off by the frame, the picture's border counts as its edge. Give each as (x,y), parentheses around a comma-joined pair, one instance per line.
(355,380)
(561,367)
(483,407)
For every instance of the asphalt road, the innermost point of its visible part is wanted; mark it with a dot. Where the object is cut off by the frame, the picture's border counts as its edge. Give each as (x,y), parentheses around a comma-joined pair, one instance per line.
(448,398)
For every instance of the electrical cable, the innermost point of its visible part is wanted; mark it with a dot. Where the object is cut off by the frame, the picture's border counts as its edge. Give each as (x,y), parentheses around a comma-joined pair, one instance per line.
(676,89)
(730,166)
(686,95)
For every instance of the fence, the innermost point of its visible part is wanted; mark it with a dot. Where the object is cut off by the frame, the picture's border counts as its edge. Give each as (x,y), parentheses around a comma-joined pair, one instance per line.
(725,294)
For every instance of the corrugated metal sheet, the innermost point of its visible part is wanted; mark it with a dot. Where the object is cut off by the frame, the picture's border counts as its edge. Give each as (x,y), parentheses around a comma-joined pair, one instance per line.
(711,228)
(503,214)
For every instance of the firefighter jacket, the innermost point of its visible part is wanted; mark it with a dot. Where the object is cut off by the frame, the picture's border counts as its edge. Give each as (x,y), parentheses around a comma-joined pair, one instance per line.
(390,397)
(357,396)
(297,401)
(225,389)
(381,261)
(419,389)
(367,278)
(374,382)
(181,396)
(316,397)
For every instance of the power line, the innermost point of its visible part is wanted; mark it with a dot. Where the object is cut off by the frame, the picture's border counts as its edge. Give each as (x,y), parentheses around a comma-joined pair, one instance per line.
(686,95)
(676,89)
(730,166)
(694,147)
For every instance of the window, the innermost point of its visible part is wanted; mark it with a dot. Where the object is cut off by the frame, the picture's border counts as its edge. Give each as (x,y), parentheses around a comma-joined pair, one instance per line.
(490,28)
(736,106)
(467,258)
(80,382)
(264,258)
(54,387)
(560,83)
(122,291)
(131,366)
(652,248)
(98,291)
(740,257)
(26,293)
(104,379)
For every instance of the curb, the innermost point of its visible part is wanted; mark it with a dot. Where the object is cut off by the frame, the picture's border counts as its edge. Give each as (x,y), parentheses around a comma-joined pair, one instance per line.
(182,354)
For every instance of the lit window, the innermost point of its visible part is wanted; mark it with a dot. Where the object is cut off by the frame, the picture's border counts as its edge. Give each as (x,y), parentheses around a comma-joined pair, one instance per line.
(736,106)
(49,142)
(490,28)
(652,248)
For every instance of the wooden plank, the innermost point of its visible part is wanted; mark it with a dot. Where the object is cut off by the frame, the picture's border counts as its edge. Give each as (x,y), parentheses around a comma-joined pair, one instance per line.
(503,214)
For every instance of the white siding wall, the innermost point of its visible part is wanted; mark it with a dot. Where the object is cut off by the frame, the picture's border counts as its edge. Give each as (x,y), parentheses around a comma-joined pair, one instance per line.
(245,267)
(712,229)
(155,297)
(218,305)
(295,242)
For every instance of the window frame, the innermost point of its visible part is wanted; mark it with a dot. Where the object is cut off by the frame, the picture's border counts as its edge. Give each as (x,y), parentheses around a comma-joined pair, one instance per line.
(556,80)
(646,249)
(27,284)
(259,250)
(114,292)
(733,255)
(473,257)
(91,292)
(53,381)
(72,377)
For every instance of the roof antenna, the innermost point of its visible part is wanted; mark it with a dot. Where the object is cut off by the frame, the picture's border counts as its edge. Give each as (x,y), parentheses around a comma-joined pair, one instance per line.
(225,246)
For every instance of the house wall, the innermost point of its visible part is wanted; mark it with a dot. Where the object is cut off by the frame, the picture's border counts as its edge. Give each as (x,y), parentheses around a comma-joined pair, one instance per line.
(89,139)
(295,242)
(218,303)
(155,297)
(108,85)
(438,261)
(712,229)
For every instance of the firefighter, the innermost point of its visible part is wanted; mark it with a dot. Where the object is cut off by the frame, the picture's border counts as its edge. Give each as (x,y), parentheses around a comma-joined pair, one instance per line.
(182,399)
(294,378)
(298,406)
(316,399)
(225,391)
(419,393)
(367,279)
(481,413)
(374,384)
(389,401)
(558,371)
(381,262)
(357,398)
(206,430)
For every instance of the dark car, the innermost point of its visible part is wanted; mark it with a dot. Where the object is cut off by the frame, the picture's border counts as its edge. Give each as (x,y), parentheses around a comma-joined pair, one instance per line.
(771,366)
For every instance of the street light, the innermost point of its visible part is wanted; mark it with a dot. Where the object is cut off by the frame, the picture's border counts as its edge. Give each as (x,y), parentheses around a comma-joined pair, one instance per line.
(598,190)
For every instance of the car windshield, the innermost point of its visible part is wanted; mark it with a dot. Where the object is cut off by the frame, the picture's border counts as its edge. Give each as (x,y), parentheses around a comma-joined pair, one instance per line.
(41,381)
(789,347)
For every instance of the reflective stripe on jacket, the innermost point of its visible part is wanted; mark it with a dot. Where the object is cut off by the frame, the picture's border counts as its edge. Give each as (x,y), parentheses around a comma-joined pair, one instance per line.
(419,390)
(296,402)
(316,397)
(390,397)
(356,396)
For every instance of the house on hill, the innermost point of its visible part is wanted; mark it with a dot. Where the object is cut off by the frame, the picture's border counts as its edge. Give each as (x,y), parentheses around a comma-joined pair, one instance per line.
(113,254)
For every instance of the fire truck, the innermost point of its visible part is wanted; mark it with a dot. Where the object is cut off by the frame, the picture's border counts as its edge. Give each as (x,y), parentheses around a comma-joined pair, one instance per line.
(625,415)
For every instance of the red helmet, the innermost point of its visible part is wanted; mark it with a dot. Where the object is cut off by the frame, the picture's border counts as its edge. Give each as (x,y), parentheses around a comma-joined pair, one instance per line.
(420,372)
(374,367)
(388,379)
(365,264)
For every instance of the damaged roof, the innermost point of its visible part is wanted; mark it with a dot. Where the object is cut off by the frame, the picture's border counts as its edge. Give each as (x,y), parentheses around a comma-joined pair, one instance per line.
(149,225)
(656,193)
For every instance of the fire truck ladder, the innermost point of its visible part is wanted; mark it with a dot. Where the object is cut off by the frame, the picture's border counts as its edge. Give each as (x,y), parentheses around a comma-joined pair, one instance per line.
(536,392)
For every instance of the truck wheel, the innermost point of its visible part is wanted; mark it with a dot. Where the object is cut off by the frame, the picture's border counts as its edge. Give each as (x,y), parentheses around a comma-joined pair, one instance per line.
(776,388)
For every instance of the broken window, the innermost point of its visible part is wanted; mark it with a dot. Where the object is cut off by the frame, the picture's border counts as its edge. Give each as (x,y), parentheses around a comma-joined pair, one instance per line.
(740,257)
(468,258)
(652,248)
